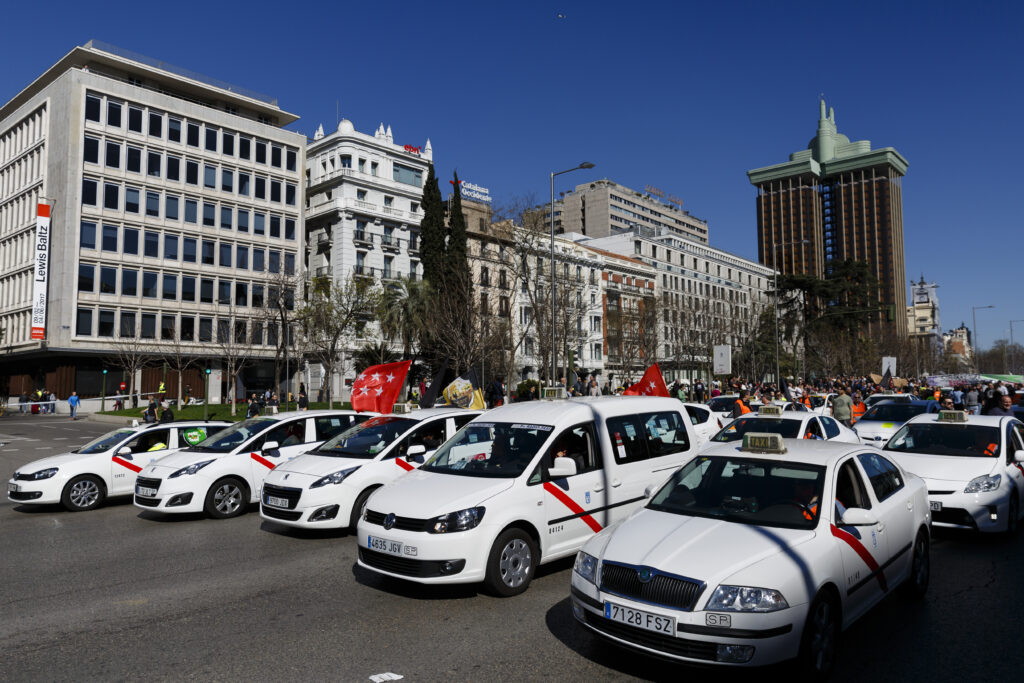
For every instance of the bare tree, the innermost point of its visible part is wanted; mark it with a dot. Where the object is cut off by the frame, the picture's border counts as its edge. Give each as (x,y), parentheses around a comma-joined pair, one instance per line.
(179,357)
(234,349)
(277,313)
(132,354)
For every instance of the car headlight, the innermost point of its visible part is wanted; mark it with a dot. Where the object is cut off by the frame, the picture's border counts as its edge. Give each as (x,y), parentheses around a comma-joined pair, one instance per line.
(333,478)
(463,520)
(983,483)
(586,566)
(191,469)
(746,599)
(43,474)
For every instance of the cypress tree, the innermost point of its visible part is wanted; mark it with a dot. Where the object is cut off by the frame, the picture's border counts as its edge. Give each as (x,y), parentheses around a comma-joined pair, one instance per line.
(432,231)
(456,261)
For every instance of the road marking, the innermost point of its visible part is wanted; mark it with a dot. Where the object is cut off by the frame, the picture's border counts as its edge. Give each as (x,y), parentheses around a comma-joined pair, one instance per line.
(380,678)
(44,448)
(61,438)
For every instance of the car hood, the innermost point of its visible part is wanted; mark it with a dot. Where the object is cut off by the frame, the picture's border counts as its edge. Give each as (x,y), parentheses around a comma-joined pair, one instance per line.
(423,495)
(709,550)
(185,458)
(58,460)
(944,467)
(319,465)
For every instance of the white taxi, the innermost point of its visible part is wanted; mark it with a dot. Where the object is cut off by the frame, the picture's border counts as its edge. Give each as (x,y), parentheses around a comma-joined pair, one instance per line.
(705,422)
(223,474)
(327,487)
(81,479)
(880,422)
(974,467)
(789,425)
(522,485)
(757,553)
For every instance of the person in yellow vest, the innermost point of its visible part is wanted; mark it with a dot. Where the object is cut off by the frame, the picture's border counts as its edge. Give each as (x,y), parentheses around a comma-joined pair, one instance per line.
(742,405)
(858,408)
(162,389)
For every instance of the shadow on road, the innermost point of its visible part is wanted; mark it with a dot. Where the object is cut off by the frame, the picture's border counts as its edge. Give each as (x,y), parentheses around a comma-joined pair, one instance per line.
(296,532)
(411,590)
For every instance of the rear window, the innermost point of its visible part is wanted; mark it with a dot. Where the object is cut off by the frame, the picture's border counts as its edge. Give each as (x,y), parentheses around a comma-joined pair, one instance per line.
(894,412)
(787,429)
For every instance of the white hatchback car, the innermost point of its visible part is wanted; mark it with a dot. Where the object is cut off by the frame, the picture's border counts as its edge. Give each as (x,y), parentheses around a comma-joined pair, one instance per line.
(223,474)
(789,425)
(705,422)
(327,487)
(885,418)
(522,485)
(757,554)
(81,479)
(973,465)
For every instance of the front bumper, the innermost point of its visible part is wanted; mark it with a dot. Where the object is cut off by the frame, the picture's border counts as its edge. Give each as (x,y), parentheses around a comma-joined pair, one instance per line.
(173,496)
(457,557)
(761,639)
(37,492)
(326,507)
(986,512)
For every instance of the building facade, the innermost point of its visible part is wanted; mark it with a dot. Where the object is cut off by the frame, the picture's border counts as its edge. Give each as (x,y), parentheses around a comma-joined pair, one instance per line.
(176,214)
(836,200)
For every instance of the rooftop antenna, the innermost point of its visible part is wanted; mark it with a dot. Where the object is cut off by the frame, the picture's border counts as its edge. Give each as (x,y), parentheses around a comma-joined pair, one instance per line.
(337,113)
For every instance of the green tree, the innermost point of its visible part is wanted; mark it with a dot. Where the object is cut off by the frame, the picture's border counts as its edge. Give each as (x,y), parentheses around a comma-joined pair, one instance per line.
(432,231)
(405,312)
(456,262)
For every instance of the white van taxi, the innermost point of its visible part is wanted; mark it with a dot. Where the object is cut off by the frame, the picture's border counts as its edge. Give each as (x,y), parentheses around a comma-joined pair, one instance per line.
(105,466)
(328,486)
(522,485)
(973,464)
(223,474)
(757,553)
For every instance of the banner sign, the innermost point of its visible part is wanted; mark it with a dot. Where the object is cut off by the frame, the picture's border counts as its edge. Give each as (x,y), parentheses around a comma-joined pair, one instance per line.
(723,359)
(473,191)
(42,274)
(889,365)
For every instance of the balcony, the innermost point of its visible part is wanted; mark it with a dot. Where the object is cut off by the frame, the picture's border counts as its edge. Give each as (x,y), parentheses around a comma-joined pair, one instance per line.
(362,237)
(324,271)
(390,243)
(364,271)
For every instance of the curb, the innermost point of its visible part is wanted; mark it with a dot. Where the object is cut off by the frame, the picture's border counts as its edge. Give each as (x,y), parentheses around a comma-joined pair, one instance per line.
(109,419)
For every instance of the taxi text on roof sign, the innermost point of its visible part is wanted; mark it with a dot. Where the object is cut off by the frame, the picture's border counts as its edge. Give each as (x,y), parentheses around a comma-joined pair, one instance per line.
(952,416)
(754,442)
(770,410)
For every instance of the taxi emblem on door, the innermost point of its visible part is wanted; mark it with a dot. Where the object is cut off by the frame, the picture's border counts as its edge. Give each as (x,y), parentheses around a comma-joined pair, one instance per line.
(389,521)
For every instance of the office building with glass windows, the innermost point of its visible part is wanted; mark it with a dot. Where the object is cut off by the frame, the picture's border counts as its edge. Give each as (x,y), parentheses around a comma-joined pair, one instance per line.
(176,215)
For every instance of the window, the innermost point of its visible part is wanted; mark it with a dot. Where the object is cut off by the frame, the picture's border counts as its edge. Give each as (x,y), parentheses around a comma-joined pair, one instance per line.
(170,289)
(211,139)
(224,292)
(885,478)
(206,291)
(291,159)
(373,167)
(227,143)
(129,283)
(259,223)
(289,194)
(243,220)
(131,241)
(148,330)
(167,326)
(628,439)
(173,130)
(289,264)
(87,235)
(92,110)
(191,211)
(362,165)
(274,264)
(275,226)
(261,152)
(133,160)
(275,191)
(242,257)
(243,147)
(111,196)
(188,328)
(131,200)
(153,204)
(407,175)
(831,427)
(91,150)
(89,191)
(153,164)
(243,184)
(261,188)
(191,172)
(205,329)
(127,324)
(289,229)
(189,250)
(86,278)
(151,246)
(188,288)
(171,208)
(346,161)
(578,444)
(109,238)
(207,253)
(225,217)
(83,322)
(210,177)
(156,125)
(389,201)
(257,260)
(256,339)
(257,296)
(171,247)
(134,119)
(227,180)
(192,137)
(114,114)
(209,214)
(361,195)
(275,156)
(241,294)
(225,255)
(149,284)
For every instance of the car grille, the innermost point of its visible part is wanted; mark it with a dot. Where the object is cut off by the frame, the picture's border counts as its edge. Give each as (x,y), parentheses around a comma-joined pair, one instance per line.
(18,476)
(148,483)
(406,567)
(148,502)
(276,513)
(288,493)
(403,523)
(24,495)
(940,493)
(954,516)
(661,589)
(681,647)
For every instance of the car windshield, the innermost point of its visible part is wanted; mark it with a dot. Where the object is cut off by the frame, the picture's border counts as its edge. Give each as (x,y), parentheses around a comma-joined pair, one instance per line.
(894,412)
(105,442)
(234,436)
(367,439)
(720,404)
(787,429)
(935,438)
(748,491)
(875,398)
(817,401)
(501,450)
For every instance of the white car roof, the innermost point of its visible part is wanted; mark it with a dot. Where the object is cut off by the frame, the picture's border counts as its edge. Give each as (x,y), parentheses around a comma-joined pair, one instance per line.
(795,415)
(810,452)
(576,410)
(427,413)
(984,420)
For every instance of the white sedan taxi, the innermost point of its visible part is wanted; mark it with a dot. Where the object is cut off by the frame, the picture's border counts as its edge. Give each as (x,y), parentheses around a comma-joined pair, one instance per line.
(789,425)
(106,466)
(879,423)
(522,485)
(328,486)
(223,474)
(974,467)
(705,422)
(756,554)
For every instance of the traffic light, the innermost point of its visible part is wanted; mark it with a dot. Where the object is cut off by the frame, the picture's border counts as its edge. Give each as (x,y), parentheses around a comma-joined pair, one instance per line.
(207,371)
(104,371)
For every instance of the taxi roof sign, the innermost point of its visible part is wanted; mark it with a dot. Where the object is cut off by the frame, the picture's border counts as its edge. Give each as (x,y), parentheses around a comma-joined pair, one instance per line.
(763,442)
(770,410)
(952,416)
(553,393)
(401,408)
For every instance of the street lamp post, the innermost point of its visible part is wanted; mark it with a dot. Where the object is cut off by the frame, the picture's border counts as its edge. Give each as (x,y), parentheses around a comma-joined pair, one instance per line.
(551,295)
(775,275)
(974,332)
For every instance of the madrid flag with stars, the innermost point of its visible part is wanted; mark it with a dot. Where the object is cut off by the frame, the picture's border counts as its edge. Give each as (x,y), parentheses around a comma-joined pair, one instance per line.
(652,384)
(377,387)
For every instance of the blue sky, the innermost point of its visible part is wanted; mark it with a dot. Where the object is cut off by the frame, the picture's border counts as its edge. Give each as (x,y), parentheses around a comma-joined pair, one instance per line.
(683,96)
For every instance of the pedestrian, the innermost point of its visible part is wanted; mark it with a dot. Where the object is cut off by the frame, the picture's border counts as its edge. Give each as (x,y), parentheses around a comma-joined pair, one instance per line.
(254,407)
(1004,406)
(23,401)
(53,403)
(971,400)
(495,393)
(958,398)
(161,390)
(594,389)
(858,408)
(188,394)
(699,391)
(742,405)
(73,403)
(842,407)
(274,404)
(149,414)
(303,400)
(166,414)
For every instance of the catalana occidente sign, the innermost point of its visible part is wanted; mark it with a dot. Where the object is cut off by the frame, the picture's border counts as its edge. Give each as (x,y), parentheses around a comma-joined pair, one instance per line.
(473,191)
(42,274)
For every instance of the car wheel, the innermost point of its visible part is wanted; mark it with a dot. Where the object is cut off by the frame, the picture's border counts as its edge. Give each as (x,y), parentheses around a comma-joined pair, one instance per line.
(359,507)
(1011,516)
(820,640)
(511,563)
(227,498)
(916,584)
(83,493)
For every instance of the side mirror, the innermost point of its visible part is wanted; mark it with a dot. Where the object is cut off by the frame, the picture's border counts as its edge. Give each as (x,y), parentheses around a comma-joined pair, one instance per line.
(415,453)
(562,467)
(649,491)
(125,452)
(859,517)
(270,446)
(1018,456)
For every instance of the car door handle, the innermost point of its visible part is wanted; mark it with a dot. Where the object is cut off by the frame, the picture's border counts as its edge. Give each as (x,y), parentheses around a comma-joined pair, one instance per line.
(599,488)
(616,482)
(910,505)
(880,528)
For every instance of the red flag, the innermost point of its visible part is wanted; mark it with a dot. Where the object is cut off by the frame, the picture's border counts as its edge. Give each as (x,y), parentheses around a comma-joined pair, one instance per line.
(651,384)
(377,387)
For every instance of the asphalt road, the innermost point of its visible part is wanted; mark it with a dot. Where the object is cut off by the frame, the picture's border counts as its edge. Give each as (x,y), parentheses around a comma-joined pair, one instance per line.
(119,594)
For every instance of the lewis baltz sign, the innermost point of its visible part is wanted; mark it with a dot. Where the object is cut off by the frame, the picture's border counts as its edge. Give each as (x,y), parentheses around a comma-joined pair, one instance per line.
(42,274)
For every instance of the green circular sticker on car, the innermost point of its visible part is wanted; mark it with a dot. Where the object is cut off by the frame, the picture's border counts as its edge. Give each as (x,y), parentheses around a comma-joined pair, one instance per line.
(194,436)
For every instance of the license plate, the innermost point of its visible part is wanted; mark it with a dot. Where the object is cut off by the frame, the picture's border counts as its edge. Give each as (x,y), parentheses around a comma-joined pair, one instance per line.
(936,505)
(384,545)
(13,488)
(640,619)
(145,491)
(277,502)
